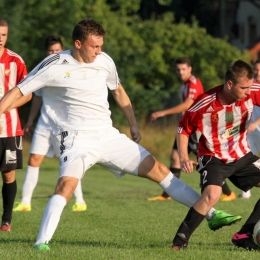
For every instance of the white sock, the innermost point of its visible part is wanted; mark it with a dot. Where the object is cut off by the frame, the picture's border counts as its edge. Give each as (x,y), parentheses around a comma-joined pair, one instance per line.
(29,184)
(78,194)
(246,194)
(51,218)
(179,191)
(210,214)
(182,193)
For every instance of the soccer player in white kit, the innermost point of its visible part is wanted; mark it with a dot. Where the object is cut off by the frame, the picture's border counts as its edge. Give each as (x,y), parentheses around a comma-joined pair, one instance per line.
(75,84)
(44,143)
(254,127)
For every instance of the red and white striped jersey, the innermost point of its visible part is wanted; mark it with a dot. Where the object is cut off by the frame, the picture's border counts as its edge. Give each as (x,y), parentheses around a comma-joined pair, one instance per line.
(223,127)
(12,71)
(191,88)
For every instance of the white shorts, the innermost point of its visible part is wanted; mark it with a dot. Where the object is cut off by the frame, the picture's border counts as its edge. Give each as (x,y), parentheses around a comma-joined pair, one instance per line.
(44,142)
(108,148)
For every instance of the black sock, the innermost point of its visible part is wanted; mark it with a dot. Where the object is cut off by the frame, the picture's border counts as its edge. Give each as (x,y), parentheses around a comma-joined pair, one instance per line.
(8,194)
(187,227)
(225,189)
(176,172)
(248,227)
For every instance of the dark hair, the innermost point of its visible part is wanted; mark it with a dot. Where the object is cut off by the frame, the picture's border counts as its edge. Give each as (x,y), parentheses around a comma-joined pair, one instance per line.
(257,61)
(3,22)
(238,69)
(52,39)
(87,27)
(183,60)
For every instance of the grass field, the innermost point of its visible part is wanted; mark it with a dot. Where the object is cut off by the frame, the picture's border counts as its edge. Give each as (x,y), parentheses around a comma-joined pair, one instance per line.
(119,223)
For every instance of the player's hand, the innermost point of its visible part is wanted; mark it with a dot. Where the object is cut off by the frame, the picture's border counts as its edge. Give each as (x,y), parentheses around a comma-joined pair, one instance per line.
(28,129)
(187,165)
(156,114)
(136,136)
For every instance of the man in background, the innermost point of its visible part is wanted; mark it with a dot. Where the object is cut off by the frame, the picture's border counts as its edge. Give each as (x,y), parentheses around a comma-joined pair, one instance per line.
(12,71)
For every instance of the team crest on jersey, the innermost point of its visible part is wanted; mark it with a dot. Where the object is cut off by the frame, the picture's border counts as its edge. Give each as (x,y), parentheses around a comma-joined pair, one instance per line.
(229,117)
(67,75)
(7,72)
(214,118)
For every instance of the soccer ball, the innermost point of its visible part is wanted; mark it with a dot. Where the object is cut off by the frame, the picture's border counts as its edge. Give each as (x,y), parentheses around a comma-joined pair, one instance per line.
(256,233)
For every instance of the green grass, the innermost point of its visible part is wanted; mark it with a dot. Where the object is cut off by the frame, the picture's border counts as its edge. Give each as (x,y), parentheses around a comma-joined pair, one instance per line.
(119,223)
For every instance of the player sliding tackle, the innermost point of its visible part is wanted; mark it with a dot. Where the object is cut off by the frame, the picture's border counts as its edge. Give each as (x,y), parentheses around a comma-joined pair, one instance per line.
(75,89)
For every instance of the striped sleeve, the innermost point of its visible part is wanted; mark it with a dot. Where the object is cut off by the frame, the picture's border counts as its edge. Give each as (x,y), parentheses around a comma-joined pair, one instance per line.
(39,76)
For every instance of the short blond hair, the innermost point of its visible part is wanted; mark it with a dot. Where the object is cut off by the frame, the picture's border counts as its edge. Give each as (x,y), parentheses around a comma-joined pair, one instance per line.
(3,22)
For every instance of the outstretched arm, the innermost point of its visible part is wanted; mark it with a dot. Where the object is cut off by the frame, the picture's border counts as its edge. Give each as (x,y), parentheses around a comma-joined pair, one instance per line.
(186,163)
(173,110)
(124,103)
(11,99)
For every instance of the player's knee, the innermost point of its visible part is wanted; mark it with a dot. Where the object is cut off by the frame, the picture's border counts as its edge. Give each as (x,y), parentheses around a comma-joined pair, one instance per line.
(35,160)
(66,186)
(153,170)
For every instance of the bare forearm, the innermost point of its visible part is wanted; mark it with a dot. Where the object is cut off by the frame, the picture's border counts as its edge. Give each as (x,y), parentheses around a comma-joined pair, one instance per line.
(182,142)
(35,107)
(22,100)
(9,99)
(124,103)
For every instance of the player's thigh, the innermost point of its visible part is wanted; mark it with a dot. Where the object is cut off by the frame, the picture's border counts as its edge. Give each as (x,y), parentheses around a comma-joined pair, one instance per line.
(80,150)
(41,141)
(120,154)
(213,171)
(247,173)
(54,149)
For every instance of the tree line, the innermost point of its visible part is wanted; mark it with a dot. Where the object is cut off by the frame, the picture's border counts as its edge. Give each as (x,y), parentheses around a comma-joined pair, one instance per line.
(143,47)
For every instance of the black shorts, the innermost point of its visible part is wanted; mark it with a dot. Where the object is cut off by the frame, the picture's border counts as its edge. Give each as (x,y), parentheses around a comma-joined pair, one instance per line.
(11,153)
(244,173)
(192,144)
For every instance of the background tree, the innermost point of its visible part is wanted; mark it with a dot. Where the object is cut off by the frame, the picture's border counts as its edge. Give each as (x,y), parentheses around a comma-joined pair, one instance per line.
(143,47)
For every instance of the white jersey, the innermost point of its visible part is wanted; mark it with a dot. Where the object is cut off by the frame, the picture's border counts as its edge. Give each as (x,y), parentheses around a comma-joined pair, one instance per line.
(74,93)
(43,119)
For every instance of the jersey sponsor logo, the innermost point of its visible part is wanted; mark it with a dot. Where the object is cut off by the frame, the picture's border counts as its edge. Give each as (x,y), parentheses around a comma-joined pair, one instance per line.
(230,132)
(210,109)
(229,117)
(257,164)
(64,61)
(10,157)
(214,118)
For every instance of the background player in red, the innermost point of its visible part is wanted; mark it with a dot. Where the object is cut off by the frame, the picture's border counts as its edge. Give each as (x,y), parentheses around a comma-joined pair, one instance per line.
(189,91)
(12,71)
(222,115)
